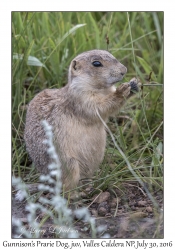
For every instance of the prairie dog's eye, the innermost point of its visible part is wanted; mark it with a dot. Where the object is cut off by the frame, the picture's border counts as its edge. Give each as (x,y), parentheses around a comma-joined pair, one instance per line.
(97,64)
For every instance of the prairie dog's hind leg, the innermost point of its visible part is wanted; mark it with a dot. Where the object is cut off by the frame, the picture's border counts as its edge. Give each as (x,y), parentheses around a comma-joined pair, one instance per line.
(71,174)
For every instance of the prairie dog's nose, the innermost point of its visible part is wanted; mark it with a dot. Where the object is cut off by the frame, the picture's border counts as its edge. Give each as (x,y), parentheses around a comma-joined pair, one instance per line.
(123,70)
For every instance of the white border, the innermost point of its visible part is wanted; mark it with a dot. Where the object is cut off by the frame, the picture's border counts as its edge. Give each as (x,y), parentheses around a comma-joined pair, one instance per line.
(5,93)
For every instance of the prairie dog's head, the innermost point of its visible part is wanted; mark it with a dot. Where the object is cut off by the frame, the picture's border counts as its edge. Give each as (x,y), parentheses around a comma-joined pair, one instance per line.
(95,70)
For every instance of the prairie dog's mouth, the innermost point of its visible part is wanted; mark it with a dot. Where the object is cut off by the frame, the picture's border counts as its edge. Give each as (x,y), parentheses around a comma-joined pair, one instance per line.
(115,82)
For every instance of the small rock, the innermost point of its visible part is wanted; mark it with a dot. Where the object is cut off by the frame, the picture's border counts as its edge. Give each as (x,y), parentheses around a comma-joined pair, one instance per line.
(94,212)
(114,201)
(137,215)
(141,203)
(103,209)
(113,205)
(103,197)
(149,209)
(83,195)
(88,189)
(133,208)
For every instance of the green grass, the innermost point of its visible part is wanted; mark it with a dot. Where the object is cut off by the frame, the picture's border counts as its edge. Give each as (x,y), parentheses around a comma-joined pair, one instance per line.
(43,45)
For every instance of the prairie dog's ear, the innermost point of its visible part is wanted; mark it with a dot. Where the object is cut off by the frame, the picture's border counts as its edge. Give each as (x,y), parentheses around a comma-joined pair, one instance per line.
(75,67)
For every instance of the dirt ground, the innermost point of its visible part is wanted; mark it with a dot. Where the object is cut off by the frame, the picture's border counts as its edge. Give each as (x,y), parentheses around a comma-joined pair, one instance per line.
(129,214)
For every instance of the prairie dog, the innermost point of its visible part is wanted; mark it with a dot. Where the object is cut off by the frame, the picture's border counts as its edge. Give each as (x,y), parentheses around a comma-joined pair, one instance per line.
(79,134)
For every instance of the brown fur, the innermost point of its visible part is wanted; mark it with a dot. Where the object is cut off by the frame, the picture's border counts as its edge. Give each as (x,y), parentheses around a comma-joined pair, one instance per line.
(79,135)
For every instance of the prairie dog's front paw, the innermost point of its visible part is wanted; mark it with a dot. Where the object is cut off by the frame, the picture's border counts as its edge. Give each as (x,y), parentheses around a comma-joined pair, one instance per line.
(124,89)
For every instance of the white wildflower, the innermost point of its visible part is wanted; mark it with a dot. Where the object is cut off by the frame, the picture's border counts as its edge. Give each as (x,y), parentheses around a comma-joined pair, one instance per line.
(21,195)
